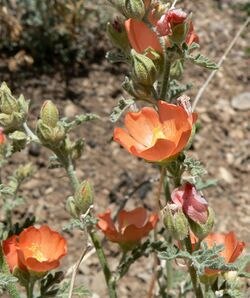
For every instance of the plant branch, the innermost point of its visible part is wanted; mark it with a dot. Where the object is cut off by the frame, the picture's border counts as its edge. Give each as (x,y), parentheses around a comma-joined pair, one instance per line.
(212,74)
(30,133)
(110,281)
(75,269)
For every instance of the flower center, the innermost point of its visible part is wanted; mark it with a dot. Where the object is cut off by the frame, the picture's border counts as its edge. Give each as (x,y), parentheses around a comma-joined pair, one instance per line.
(157,134)
(37,254)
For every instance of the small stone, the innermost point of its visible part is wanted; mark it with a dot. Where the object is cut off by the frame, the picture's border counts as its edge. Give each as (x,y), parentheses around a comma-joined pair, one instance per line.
(226,175)
(70,111)
(241,101)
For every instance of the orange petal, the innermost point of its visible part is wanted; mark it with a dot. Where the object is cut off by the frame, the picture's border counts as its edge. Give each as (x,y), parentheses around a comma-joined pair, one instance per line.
(53,245)
(107,226)
(141,37)
(182,142)
(35,265)
(169,111)
(161,150)
(124,139)
(135,217)
(134,234)
(10,252)
(237,252)
(141,125)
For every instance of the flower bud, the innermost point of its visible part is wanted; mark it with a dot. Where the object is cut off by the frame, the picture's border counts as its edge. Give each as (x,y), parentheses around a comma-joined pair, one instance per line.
(134,9)
(71,207)
(24,171)
(144,70)
(19,140)
(173,24)
(49,114)
(179,33)
(11,122)
(136,90)
(176,222)
(202,230)
(84,196)
(176,70)
(50,136)
(118,35)
(8,104)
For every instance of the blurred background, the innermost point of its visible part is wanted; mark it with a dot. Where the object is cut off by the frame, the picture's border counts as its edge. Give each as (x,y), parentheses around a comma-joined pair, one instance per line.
(55,49)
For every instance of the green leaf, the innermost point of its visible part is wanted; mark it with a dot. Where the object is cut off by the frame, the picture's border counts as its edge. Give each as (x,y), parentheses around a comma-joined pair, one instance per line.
(80,119)
(80,292)
(6,279)
(176,89)
(123,104)
(80,224)
(201,259)
(49,284)
(116,57)
(203,61)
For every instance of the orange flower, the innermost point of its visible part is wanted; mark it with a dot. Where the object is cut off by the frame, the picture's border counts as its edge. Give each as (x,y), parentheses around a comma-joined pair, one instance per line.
(141,37)
(10,253)
(156,136)
(34,249)
(132,226)
(2,136)
(232,247)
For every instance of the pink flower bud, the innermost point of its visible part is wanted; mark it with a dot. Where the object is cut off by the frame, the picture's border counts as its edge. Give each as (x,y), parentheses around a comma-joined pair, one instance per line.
(169,20)
(192,203)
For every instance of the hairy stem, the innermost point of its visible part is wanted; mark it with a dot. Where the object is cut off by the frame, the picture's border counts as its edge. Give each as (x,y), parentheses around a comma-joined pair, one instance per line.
(30,133)
(110,281)
(192,272)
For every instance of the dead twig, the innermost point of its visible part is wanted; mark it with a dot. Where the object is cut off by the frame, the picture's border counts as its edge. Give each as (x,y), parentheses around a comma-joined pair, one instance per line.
(212,74)
(75,269)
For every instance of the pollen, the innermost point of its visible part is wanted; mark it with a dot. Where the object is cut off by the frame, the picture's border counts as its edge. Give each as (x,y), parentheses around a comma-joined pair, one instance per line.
(157,134)
(37,254)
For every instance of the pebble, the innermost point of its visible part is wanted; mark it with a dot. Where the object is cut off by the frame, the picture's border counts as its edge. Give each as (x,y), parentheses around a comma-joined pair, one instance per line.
(241,101)
(226,175)
(71,110)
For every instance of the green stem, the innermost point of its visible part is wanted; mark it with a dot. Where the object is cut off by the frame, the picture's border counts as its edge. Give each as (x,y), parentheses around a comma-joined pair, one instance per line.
(167,189)
(30,133)
(166,71)
(110,281)
(30,289)
(192,272)
(169,275)
(72,175)
(11,288)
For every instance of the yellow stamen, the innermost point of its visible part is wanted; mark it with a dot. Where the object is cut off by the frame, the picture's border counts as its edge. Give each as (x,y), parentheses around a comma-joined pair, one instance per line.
(37,254)
(157,134)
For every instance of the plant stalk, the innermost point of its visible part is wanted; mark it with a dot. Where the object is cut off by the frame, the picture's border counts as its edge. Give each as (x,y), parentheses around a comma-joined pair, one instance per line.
(110,281)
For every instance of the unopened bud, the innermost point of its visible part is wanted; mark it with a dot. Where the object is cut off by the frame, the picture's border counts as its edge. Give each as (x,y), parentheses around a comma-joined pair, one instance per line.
(179,33)
(138,91)
(118,35)
(84,196)
(49,114)
(19,140)
(11,122)
(144,71)
(176,70)
(24,171)
(71,207)
(202,230)
(134,9)
(176,222)
(50,136)
(8,104)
